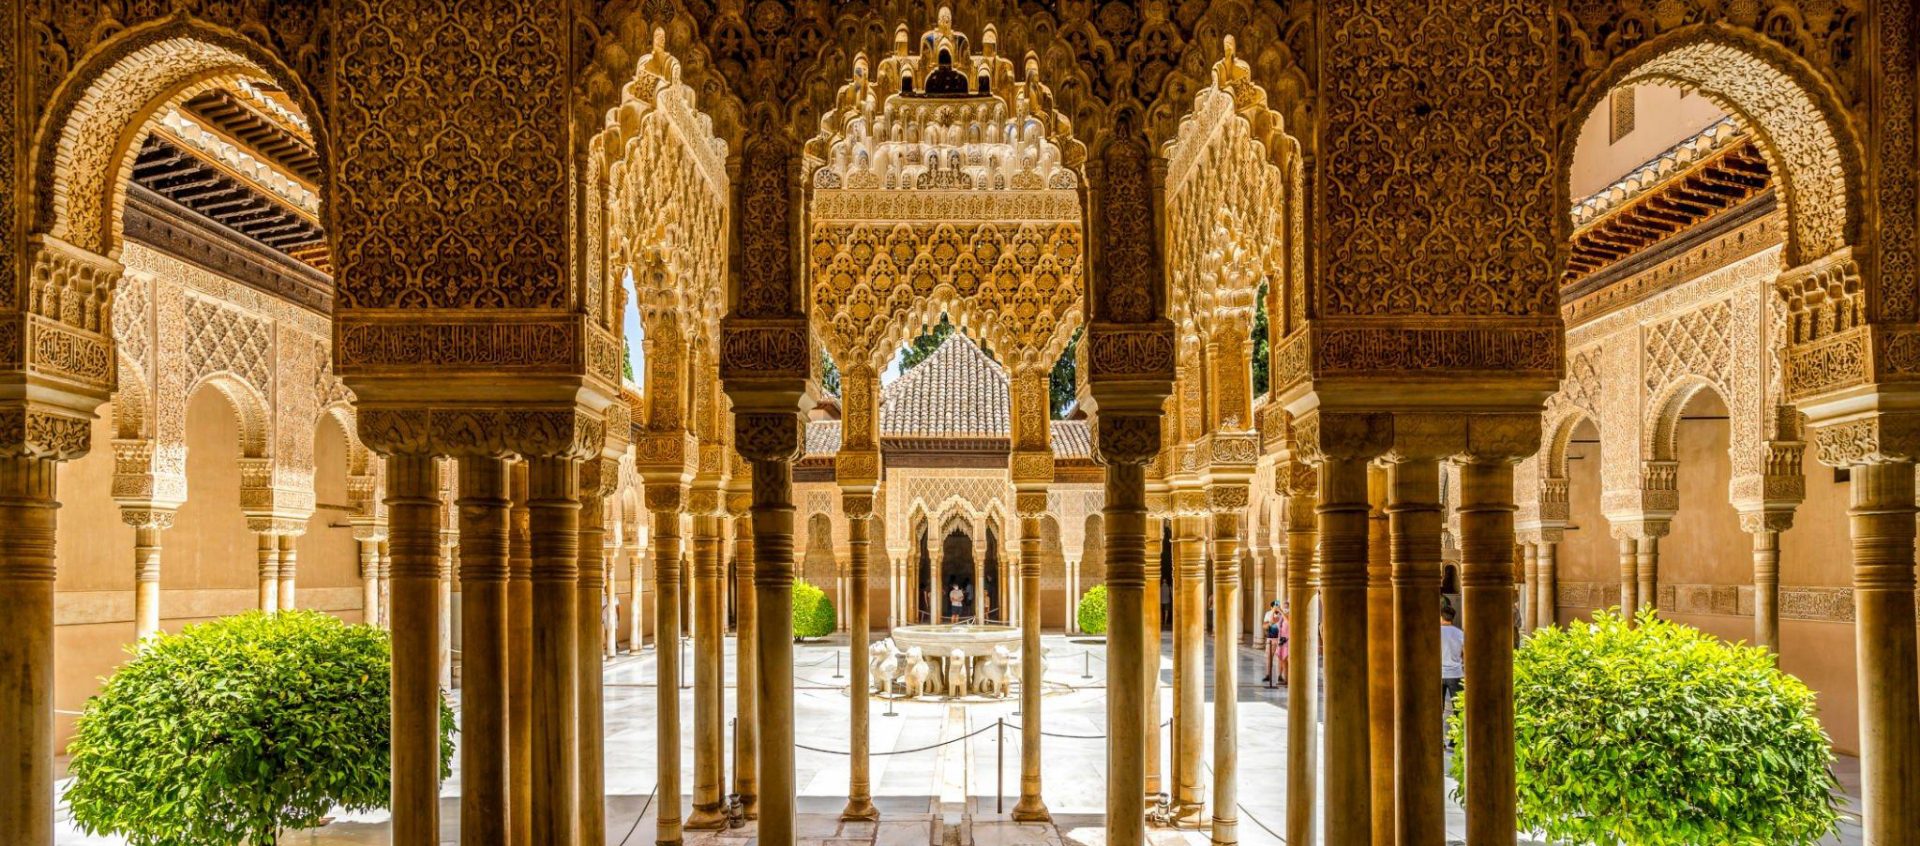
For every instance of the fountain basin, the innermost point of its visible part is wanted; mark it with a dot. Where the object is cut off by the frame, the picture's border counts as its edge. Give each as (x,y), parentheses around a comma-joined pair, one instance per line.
(939,640)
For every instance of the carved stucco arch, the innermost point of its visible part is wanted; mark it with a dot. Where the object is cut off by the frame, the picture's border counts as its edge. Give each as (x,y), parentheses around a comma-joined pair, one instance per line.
(132,416)
(249,407)
(79,177)
(1664,412)
(1801,129)
(1558,440)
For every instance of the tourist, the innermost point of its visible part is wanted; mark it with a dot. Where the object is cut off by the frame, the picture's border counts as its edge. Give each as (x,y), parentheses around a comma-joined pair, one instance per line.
(956,601)
(1275,623)
(1453,667)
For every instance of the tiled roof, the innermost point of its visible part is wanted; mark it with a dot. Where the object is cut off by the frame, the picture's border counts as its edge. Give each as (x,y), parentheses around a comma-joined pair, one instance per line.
(1071,439)
(823,437)
(957,392)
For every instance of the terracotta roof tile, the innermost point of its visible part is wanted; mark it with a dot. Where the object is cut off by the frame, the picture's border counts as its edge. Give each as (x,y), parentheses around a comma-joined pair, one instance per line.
(955,392)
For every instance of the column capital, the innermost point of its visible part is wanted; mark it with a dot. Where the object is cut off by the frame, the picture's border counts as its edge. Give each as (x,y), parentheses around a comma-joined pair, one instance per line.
(1321,435)
(277,526)
(1773,520)
(147,517)
(543,430)
(1030,504)
(1127,438)
(857,504)
(1876,437)
(1638,529)
(769,436)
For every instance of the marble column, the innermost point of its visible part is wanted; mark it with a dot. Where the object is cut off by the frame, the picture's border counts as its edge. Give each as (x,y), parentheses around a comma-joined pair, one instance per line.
(446,577)
(269,568)
(1226,674)
(1150,640)
(597,476)
(370,582)
(1127,653)
(27,508)
(1629,581)
(386,581)
(1031,506)
(1546,589)
(1646,556)
(413,517)
(1486,597)
(1414,522)
(520,658)
(1530,578)
(746,747)
(709,810)
(1303,658)
(1381,681)
(980,579)
(665,501)
(859,510)
(1881,515)
(484,761)
(770,441)
(1343,515)
(147,525)
(1189,650)
(1766,528)
(289,565)
(553,513)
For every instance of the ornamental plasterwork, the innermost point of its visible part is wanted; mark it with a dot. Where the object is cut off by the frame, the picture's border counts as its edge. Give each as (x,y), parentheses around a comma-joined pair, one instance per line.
(932,493)
(942,184)
(189,327)
(666,212)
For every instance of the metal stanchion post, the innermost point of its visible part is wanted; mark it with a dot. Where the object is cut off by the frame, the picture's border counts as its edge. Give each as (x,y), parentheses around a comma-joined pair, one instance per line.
(836,665)
(1086,664)
(1000,766)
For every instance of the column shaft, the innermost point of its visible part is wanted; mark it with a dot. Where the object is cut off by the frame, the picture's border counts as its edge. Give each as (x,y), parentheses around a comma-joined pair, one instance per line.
(553,511)
(445,585)
(590,610)
(1150,642)
(1126,514)
(413,513)
(859,782)
(370,583)
(1189,653)
(1647,572)
(1380,656)
(289,566)
(773,581)
(146,581)
(1303,670)
(1766,590)
(709,672)
(1343,598)
(746,747)
(1226,678)
(1629,581)
(484,761)
(1486,596)
(519,658)
(269,564)
(1030,808)
(27,508)
(1546,590)
(1529,614)
(1882,518)
(666,656)
(1413,517)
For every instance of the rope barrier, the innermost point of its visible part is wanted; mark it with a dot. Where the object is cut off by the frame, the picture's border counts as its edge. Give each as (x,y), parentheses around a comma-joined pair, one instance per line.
(897,751)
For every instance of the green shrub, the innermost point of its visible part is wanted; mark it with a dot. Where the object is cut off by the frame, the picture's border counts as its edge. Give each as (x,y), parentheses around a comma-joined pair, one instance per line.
(231,731)
(812,611)
(1661,735)
(1093,610)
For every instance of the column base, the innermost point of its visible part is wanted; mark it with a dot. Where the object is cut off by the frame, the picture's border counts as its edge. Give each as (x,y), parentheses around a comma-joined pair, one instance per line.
(1225,832)
(749,806)
(713,818)
(1031,809)
(860,810)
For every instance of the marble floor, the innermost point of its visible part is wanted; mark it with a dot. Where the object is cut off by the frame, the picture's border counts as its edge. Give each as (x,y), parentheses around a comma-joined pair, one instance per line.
(939,776)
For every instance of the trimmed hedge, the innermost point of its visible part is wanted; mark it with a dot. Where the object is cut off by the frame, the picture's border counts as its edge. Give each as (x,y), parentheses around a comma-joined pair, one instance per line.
(1092,613)
(1660,735)
(232,731)
(812,611)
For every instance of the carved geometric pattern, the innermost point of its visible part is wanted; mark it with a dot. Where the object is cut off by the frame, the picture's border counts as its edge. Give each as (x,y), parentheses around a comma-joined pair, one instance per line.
(220,338)
(1697,343)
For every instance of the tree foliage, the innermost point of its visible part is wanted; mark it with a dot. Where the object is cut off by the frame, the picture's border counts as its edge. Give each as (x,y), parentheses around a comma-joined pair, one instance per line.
(1092,613)
(812,610)
(232,731)
(1260,341)
(1661,735)
(917,350)
(829,374)
(1064,383)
